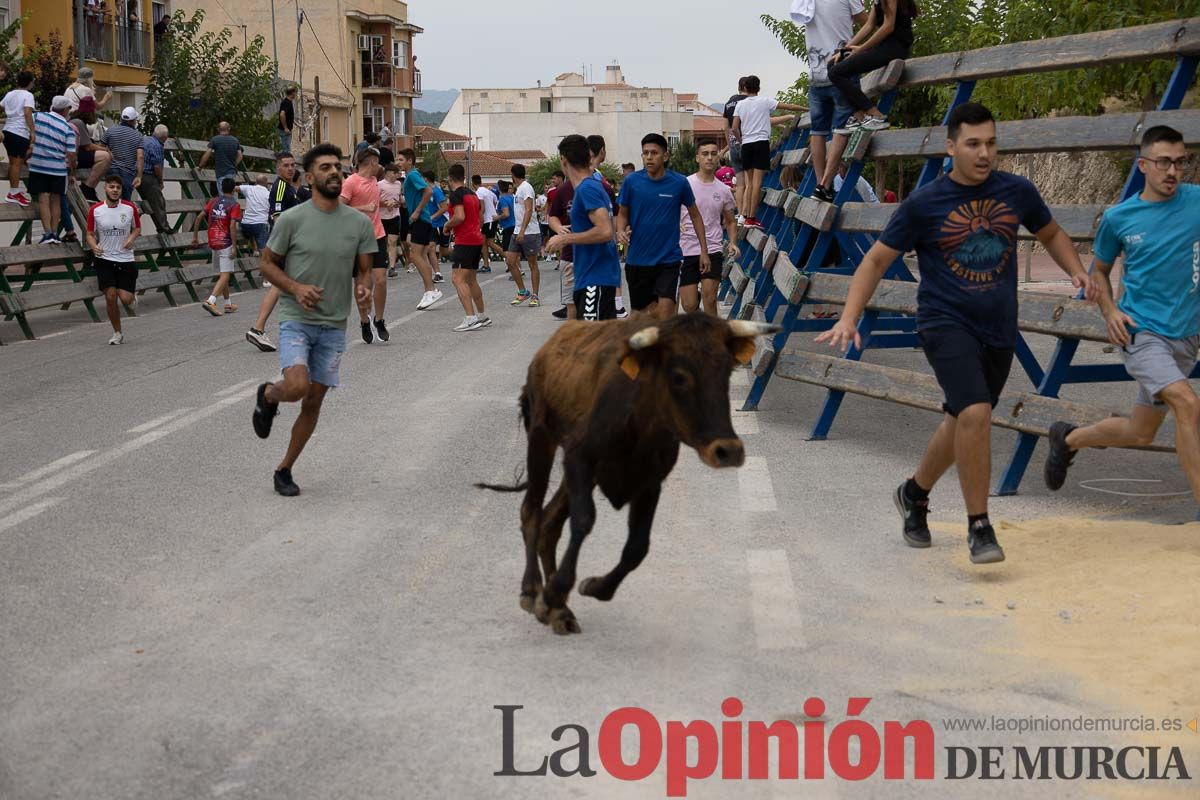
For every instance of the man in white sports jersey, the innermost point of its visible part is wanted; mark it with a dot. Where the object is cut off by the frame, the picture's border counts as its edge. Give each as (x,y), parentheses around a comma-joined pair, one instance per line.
(112,228)
(488,210)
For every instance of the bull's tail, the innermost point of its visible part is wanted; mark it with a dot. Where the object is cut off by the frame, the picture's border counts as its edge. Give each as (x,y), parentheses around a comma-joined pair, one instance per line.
(518,485)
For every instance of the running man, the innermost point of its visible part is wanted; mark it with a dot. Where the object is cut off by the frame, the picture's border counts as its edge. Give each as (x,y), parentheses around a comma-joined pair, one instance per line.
(418,199)
(752,122)
(222,214)
(360,191)
(964,228)
(112,228)
(391,206)
(327,247)
(716,204)
(526,240)
(487,205)
(597,268)
(506,220)
(468,250)
(285,193)
(648,223)
(439,247)
(1157,322)
(599,151)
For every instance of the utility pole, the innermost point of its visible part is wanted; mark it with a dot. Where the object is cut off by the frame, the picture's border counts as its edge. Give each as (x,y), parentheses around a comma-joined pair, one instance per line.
(80,44)
(274,46)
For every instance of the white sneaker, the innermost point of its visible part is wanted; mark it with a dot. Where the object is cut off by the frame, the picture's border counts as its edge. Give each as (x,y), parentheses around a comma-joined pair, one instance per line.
(426,301)
(622,313)
(483,319)
(437,295)
(411,269)
(468,324)
(873,124)
(266,284)
(117,338)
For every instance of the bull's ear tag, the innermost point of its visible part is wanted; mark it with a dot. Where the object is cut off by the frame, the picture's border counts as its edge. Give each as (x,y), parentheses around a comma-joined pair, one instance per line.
(743,350)
(631,367)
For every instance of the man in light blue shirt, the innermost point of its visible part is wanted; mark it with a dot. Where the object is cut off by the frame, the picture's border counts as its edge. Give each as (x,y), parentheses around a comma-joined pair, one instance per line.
(1157,322)
(154,205)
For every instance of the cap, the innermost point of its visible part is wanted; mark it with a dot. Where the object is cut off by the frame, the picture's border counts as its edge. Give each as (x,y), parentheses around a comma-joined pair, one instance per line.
(59,103)
(129,113)
(725,175)
(87,105)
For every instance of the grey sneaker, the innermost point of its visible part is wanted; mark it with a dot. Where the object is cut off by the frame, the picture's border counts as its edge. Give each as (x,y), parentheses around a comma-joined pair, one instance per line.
(981,539)
(468,324)
(873,124)
(117,338)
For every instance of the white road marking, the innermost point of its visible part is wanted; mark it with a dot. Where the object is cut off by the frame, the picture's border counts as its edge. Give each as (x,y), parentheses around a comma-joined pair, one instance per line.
(41,472)
(773,600)
(237,387)
(27,513)
(77,471)
(745,423)
(154,423)
(754,485)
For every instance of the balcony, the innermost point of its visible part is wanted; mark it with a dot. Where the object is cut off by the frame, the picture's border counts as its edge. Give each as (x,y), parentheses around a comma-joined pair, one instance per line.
(104,38)
(133,44)
(98,39)
(377,76)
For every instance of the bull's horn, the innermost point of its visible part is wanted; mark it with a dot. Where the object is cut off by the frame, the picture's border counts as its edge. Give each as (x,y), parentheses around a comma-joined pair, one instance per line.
(748,328)
(646,337)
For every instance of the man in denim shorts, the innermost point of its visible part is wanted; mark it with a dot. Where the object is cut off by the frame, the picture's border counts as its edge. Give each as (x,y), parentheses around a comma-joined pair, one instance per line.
(831,26)
(327,247)
(1157,322)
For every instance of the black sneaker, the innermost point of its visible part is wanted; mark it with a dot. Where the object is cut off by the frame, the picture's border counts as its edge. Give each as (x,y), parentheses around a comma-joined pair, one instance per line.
(916,529)
(382,330)
(823,194)
(368,337)
(984,547)
(560,314)
(1060,456)
(89,192)
(264,413)
(284,484)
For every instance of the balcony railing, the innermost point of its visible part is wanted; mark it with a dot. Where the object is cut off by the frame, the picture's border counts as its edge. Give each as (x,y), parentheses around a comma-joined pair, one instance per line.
(133,44)
(417,81)
(376,76)
(97,39)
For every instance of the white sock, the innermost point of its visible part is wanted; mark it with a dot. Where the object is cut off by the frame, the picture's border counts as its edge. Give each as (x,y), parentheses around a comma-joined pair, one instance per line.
(212,299)
(620,301)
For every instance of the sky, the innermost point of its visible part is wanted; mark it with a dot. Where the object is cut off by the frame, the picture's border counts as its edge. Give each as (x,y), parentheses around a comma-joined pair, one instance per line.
(700,46)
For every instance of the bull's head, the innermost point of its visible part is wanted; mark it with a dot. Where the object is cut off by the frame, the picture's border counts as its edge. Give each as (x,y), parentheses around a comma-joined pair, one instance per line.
(685,363)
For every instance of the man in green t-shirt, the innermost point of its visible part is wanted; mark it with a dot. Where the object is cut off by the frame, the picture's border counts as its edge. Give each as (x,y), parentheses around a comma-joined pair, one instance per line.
(325,245)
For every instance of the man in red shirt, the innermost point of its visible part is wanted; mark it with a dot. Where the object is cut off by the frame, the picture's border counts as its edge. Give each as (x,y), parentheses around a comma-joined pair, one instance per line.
(468,249)
(222,214)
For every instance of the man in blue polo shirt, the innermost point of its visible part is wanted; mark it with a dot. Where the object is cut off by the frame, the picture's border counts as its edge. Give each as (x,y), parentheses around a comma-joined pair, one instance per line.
(648,224)
(597,268)
(1157,321)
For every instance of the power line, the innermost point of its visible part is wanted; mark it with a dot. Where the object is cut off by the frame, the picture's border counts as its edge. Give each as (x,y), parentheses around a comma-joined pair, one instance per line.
(336,74)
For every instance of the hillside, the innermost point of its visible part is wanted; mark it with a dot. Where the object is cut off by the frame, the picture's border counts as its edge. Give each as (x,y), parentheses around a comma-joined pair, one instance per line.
(436,100)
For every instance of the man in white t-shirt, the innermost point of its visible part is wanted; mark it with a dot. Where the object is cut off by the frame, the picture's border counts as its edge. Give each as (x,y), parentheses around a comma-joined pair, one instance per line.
(752,127)
(526,240)
(112,228)
(862,187)
(831,26)
(18,106)
(256,217)
(488,212)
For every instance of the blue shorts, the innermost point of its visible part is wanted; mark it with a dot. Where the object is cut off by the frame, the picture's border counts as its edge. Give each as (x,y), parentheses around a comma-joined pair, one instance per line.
(317,347)
(828,109)
(257,232)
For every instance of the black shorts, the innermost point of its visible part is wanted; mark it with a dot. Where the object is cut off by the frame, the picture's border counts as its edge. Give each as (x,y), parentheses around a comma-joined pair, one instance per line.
(593,303)
(489,230)
(39,183)
(381,255)
(121,274)
(16,146)
(545,226)
(420,233)
(690,274)
(391,227)
(647,284)
(441,237)
(405,224)
(466,256)
(756,155)
(85,159)
(506,235)
(969,371)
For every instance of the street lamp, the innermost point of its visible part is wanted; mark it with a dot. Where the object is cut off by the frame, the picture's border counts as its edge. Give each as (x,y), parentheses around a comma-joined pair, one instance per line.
(470,137)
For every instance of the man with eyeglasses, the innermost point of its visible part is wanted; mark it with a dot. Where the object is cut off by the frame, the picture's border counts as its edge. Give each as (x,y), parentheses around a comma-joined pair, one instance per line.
(1157,321)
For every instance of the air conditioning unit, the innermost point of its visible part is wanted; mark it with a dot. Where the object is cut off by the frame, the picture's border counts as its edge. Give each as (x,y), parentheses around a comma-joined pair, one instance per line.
(364,42)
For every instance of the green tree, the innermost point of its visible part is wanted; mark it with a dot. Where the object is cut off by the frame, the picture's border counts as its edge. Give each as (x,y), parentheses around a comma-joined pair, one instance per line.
(683,158)
(11,54)
(538,173)
(200,79)
(53,67)
(433,161)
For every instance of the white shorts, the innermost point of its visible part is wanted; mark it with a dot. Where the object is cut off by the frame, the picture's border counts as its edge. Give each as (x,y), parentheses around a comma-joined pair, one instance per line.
(224,259)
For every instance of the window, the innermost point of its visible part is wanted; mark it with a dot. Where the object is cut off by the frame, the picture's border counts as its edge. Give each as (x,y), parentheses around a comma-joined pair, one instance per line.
(158,10)
(325,127)
(353,73)
(508,108)
(547,105)
(523,95)
(399,54)
(591,105)
(400,122)
(618,106)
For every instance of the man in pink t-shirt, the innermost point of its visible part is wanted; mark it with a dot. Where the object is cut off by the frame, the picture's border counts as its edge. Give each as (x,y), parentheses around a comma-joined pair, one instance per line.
(717,207)
(361,192)
(391,202)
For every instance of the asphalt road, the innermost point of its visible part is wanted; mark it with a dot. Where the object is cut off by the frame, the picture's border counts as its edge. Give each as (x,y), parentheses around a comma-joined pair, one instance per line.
(170,628)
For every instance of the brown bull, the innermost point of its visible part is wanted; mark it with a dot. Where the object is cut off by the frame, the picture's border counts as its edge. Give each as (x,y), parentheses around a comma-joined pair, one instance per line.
(619,397)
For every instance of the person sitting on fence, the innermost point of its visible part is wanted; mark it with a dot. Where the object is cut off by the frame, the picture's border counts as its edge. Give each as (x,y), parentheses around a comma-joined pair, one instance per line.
(112,228)
(888,35)
(128,155)
(222,214)
(226,151)
(51,165)
(90,155)
(153,202)
(1157,322)
(19,107)
(85,86)
(964,228)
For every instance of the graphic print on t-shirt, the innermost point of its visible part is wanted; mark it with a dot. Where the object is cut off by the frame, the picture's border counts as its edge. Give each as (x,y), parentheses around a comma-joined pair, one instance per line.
(977,240)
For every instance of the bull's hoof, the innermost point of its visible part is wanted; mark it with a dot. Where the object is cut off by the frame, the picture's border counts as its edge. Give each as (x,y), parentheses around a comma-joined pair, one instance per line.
(527,601)
(594,587)
(541,610)
(563,622)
